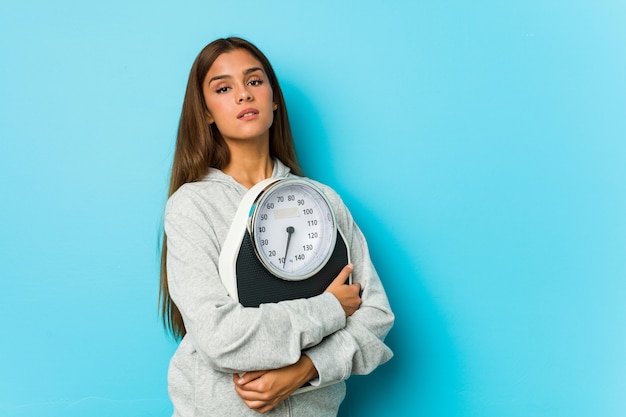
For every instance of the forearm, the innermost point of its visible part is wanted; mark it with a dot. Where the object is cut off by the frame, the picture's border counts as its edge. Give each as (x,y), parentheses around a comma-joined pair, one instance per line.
(306,370)
(264,390)
(235,339)
(352,350)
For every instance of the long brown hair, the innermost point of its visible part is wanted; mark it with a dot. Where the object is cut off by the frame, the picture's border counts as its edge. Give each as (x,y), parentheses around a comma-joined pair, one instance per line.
(200,146)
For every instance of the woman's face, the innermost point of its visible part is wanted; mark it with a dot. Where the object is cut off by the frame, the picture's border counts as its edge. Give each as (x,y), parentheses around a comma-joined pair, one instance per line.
(239,97)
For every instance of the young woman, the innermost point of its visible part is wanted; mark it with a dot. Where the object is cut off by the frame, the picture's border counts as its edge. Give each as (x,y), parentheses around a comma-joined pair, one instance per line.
(234,360)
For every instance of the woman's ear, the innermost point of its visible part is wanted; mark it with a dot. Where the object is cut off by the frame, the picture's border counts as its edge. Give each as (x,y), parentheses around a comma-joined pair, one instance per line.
(275,106)
(210,118)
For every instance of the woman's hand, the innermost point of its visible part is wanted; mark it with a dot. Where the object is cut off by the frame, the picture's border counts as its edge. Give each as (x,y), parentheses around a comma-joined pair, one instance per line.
(349,295)
(262,391)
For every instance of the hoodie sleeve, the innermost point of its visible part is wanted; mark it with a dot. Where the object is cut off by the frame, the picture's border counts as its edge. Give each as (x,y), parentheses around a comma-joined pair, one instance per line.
(228,336)
(359,347)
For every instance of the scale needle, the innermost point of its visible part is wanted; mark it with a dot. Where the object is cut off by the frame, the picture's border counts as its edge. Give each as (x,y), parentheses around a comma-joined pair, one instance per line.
(290,231)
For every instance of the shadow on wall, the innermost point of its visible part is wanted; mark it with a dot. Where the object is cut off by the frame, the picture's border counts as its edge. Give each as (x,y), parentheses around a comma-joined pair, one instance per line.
(311,138)
(424,376)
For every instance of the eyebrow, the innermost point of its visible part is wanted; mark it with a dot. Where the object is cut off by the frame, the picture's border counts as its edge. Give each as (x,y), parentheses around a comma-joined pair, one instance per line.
(225,76)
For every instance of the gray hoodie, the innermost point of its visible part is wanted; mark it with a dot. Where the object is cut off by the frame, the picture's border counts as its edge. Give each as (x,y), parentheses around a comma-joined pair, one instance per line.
(224,337)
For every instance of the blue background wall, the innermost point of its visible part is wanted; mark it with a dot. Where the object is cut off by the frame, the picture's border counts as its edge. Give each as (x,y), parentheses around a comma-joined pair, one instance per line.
(480,145)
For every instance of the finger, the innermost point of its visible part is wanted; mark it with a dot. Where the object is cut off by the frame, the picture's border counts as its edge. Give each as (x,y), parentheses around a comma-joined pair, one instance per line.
(343,275)
(245,377)
(260,406)
(251,392)
(256,405)
(257,401)
(246,395)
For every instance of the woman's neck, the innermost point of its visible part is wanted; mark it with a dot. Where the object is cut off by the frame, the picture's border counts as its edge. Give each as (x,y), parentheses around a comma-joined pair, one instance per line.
(249,164)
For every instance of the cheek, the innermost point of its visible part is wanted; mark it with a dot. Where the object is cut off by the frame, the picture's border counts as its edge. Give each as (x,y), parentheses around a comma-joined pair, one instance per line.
(267,94)
(214,110)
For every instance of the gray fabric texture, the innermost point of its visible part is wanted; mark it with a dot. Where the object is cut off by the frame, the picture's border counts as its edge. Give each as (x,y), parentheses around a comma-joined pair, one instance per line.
(224,337)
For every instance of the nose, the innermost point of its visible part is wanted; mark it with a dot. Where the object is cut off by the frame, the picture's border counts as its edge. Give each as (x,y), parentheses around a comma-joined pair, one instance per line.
(244,95)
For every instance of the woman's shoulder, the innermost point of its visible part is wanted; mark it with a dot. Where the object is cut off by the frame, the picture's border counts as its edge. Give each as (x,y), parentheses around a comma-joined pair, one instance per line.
(204,195)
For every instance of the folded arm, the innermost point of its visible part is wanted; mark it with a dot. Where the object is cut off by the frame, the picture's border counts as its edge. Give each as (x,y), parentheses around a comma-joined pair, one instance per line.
(228,336)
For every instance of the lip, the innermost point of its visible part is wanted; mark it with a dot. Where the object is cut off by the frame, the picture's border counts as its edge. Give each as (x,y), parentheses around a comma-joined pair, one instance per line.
(248,113)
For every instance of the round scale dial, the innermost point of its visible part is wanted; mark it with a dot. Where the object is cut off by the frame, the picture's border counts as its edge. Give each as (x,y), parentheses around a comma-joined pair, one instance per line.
(293,229)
